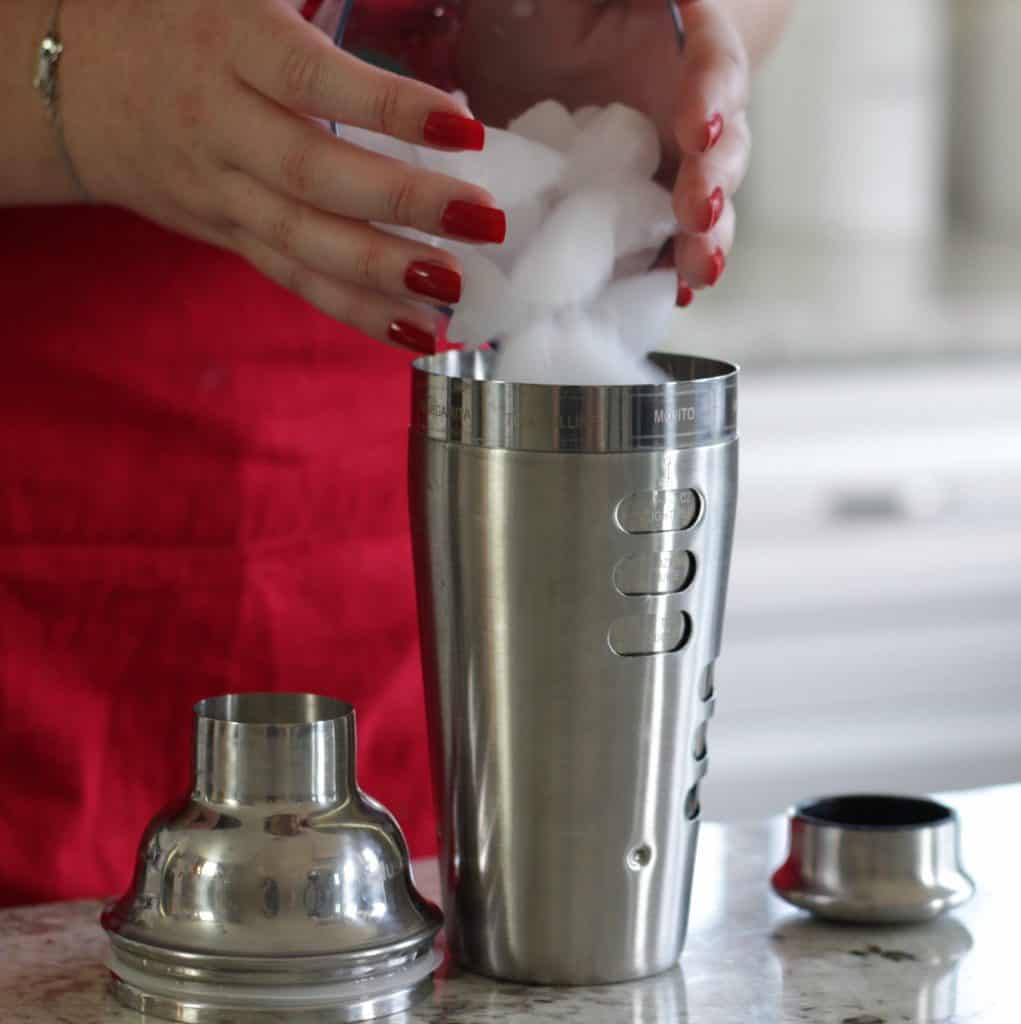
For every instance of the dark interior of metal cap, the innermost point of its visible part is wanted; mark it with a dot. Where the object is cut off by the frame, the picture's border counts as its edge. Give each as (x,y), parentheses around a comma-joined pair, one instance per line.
(873,859)
(873,811)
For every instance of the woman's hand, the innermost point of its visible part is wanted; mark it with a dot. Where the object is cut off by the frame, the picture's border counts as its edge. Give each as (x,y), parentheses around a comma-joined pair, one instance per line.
(199,116)
(583,52)
(710,125)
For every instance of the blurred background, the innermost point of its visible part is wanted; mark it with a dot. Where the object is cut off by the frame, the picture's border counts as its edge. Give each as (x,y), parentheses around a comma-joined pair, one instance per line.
(873,638)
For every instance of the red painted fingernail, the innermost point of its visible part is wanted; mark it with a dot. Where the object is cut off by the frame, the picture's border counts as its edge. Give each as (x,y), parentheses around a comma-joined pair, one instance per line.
(713,209)
(717,264)
(408,335)
(474,221)
(434,280)
(455,131)
(685,296)
(713,131)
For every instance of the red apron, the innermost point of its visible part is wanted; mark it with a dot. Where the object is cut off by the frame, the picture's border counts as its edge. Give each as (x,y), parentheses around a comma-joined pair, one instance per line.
(202,490)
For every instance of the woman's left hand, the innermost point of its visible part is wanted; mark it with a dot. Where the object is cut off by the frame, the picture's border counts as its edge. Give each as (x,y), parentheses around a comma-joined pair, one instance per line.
(583,52)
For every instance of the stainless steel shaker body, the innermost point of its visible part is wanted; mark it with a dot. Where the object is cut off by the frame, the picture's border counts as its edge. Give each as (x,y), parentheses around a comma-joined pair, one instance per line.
(572,547)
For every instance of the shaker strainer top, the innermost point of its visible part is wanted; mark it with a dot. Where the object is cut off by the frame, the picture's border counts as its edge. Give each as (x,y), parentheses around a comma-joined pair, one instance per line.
(277,885)
(455,398)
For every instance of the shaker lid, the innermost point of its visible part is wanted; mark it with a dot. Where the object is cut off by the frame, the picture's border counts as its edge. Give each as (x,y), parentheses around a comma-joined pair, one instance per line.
(275,876)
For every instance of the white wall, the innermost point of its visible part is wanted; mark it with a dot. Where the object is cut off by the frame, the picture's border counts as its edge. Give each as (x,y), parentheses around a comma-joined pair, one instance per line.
(873,632)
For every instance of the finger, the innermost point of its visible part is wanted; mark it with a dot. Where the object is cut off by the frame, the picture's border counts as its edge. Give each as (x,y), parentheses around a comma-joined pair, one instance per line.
(402,324)
(714,77)
(297,66)
(294,156)
(706,180)
(342,249)
(702,259)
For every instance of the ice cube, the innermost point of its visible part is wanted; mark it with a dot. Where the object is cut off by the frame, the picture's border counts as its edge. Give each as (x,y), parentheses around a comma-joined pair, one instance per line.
(571,257)
(645,216)
(376,142)
(574,348)
(413,234)
(639,309)
(634,263)
(512,168)
(588,351)
(547,122)
(526,357)
(616,143)
(461,97)
(522,224)
(483,312)
(583,115)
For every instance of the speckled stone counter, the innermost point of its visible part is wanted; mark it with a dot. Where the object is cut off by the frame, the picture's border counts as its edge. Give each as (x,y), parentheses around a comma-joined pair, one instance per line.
(749,960)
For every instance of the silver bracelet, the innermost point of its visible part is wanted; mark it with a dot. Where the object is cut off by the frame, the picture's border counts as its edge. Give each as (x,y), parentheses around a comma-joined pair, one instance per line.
(45,83)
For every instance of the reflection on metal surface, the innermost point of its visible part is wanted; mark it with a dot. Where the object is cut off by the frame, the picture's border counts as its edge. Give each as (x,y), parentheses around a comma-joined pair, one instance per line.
(903,974)
(661,999)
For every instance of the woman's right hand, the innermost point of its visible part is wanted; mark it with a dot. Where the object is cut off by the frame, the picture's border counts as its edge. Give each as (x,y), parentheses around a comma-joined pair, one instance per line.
(198,115)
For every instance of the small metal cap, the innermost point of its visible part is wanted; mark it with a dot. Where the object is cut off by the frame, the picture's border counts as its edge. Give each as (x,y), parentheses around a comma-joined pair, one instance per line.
(871,859)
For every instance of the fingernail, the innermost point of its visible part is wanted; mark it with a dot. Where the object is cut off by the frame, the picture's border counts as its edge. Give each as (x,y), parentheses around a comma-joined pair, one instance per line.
(717,264)
(685,296)
(475,222)
(433,280)
(455,131)
(408,335)
(713,131)
(713,209)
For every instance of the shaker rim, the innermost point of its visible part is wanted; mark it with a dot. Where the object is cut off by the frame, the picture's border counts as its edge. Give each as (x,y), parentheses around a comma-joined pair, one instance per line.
(451,364)
(454,400)
(275,708)
(873,812)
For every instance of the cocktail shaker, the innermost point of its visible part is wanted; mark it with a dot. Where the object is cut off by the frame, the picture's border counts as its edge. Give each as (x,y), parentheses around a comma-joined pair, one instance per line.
(572,547)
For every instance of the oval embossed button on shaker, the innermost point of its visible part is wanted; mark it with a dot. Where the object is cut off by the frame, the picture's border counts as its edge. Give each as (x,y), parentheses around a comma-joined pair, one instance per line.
(872,859)
(654,572)
(633,635)
(659,511)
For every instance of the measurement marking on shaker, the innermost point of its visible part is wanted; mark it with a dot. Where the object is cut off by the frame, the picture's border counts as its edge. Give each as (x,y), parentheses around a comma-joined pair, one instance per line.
(659,511)
(678,414)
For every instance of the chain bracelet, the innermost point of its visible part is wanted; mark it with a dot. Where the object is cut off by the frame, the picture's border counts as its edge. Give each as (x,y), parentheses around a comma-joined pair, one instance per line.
(46,84)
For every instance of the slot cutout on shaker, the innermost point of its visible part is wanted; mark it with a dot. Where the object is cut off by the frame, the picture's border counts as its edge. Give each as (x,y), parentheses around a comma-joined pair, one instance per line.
(707,686)
(650,573)
(692,807)
(659,511)
(700,748)
(632,636)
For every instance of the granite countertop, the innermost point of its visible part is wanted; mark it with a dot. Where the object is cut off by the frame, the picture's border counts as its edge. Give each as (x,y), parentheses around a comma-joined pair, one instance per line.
(749,960)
